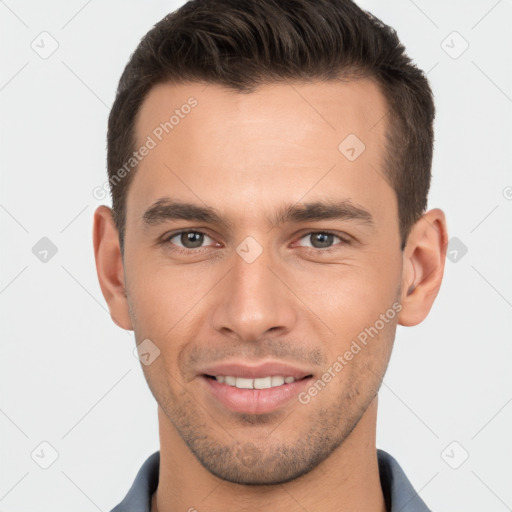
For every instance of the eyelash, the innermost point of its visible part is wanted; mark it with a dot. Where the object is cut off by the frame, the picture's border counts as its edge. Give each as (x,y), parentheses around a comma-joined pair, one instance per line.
(184,250)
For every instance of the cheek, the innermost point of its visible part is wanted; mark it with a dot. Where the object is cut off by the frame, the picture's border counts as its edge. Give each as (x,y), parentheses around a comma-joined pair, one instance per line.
(349,298)
(163,294)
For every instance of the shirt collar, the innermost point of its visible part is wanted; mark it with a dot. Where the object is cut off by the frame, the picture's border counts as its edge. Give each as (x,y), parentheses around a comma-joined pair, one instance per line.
(399,494)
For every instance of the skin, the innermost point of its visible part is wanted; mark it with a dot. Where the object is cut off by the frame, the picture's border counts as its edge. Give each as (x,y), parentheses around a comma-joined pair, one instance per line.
(247,156)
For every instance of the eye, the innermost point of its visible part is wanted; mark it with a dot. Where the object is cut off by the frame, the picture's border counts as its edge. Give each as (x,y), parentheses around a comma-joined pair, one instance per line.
(320,240)
(190,239)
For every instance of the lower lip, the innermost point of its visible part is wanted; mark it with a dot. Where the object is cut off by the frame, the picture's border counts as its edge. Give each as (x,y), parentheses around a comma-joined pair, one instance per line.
(254,401)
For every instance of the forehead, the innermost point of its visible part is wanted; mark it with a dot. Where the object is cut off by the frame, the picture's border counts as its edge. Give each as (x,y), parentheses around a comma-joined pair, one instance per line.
(295,138)
(294,110)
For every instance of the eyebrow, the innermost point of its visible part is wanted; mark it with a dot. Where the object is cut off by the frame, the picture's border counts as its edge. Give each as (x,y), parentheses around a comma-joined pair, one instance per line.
(165,209)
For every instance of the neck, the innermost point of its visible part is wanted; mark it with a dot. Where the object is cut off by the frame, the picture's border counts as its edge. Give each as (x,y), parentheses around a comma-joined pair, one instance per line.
(348,480)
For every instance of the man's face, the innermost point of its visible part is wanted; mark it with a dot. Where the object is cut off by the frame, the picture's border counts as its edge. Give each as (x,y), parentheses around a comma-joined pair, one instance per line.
(301,256)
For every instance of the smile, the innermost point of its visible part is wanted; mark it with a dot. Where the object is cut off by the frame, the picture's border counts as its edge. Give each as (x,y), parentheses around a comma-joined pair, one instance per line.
(260,383)
(254,396)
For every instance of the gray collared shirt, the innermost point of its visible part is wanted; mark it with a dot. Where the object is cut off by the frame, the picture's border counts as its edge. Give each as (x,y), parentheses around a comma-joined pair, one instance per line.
(399,494)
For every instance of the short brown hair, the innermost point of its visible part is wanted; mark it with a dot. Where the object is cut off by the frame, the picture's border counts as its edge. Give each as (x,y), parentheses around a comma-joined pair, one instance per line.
(242,44)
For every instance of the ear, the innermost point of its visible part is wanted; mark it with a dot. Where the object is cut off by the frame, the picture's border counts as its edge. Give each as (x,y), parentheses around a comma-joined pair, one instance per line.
(423,267)
(109,266)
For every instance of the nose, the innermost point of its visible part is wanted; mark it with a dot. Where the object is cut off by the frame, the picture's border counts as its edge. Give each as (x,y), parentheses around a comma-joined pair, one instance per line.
(253,301)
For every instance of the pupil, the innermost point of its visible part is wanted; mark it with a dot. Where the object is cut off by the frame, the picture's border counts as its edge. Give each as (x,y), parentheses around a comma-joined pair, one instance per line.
(191,240)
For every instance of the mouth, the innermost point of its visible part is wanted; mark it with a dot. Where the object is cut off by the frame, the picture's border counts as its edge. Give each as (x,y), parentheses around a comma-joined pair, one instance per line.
(254,390)
(270,381)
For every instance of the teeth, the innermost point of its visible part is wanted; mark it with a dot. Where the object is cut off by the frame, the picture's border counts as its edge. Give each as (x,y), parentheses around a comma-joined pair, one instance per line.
(263,383)
(230,381)
(260,383)
(244,383)
(277,381)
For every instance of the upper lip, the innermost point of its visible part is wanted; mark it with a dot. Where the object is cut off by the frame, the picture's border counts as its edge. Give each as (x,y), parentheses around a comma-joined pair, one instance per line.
(256,371)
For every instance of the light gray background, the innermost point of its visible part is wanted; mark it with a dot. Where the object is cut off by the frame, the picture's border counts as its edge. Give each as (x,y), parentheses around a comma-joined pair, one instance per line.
(67,372)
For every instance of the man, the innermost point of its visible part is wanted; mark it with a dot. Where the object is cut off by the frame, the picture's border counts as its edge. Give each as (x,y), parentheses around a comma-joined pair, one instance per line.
(269,166)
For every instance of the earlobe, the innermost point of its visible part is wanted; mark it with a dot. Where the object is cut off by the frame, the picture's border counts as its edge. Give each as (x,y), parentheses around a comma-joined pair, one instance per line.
(423,268)
(109,266)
